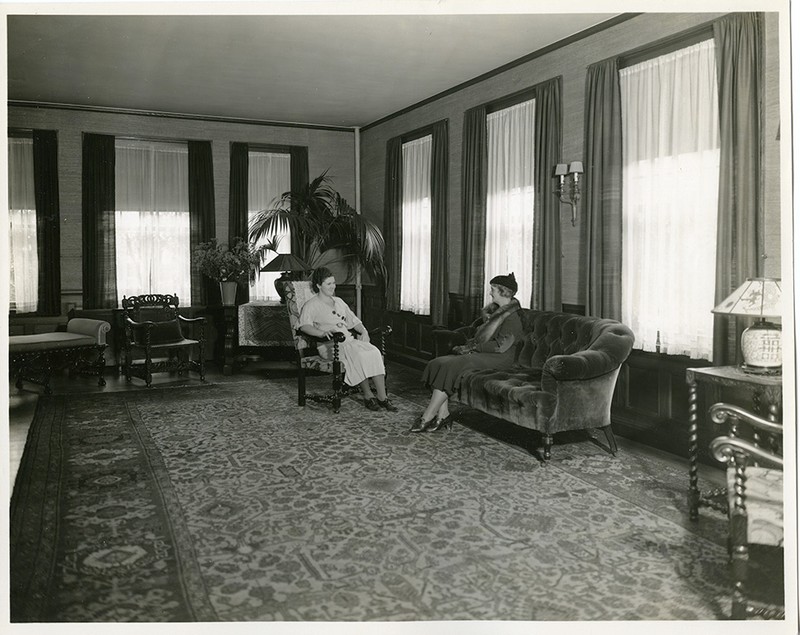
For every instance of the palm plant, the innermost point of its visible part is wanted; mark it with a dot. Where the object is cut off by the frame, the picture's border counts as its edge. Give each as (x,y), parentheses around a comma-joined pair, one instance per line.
(321,221)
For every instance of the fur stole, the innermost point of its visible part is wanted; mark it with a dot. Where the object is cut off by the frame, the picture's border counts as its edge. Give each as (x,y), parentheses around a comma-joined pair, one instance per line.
(493,316)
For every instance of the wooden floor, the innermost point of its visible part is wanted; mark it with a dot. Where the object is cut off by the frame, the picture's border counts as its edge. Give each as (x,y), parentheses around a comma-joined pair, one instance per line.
(401,380)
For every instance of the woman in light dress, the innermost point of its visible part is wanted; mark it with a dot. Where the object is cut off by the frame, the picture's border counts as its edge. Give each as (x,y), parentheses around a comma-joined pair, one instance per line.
(325,314)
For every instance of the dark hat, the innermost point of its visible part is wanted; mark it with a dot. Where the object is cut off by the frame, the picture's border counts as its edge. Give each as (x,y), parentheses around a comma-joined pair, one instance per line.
(509,281)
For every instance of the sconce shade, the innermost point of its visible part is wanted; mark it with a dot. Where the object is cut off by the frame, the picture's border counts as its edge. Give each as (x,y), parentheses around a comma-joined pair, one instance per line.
(285,262)
(568,188)
(761,343)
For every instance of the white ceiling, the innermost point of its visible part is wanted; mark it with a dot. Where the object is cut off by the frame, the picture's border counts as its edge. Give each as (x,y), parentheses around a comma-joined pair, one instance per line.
(321,69)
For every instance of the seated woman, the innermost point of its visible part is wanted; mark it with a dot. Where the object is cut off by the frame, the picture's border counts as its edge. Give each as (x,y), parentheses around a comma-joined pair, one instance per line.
(493,346)
(325,314)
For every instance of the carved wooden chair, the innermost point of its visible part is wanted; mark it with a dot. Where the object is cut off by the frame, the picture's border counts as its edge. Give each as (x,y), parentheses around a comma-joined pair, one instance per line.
(154,339)
(753,453)
(298,292)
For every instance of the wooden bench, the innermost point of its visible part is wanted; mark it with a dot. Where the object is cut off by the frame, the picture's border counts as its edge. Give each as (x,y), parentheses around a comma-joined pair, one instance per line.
(81,348)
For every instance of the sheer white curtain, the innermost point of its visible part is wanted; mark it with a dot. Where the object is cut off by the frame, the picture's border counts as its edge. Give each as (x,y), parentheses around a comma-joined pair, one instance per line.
(268,176)
(23,256)
(152,218)
(415,276)
(510,142)
(670,178)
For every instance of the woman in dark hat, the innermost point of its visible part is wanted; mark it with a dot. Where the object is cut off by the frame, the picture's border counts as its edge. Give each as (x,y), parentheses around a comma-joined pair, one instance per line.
(492,346)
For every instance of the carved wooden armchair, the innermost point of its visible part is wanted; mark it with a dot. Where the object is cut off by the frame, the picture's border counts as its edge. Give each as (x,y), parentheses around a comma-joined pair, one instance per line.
(154,340)
(753,453)
(298,292)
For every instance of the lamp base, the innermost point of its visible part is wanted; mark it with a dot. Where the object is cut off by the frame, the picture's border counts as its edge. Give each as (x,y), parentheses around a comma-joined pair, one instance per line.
(763,372)
(280,285)
(761,349)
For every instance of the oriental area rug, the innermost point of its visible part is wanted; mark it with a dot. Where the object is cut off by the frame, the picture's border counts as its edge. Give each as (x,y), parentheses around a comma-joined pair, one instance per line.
(228,502)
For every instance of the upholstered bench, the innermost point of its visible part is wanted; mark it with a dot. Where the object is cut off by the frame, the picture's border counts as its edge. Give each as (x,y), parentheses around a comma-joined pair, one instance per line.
(80,348)
(564,377)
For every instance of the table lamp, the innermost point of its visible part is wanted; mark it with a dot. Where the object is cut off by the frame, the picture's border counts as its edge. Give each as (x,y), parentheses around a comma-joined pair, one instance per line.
(286,263)
(761,343)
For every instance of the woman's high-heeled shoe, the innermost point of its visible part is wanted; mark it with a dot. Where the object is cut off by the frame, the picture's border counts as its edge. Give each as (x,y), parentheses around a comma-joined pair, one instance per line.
(446,422)
(420,425)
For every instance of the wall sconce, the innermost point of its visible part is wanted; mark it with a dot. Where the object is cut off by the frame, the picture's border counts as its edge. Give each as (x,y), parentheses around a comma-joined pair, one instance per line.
(569,185)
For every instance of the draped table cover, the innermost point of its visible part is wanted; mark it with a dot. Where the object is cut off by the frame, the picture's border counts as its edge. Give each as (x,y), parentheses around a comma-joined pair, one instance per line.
(264,324)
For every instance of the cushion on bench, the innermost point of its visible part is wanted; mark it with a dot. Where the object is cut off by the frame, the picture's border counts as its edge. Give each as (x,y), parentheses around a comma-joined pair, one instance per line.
(47,342)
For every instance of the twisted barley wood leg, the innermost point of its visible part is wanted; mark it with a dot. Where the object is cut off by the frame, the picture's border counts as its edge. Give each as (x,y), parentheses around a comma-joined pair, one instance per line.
(694,492)
(739,549)
(201,353)
(148,363)
(101,368)
(301,386)
(337,385)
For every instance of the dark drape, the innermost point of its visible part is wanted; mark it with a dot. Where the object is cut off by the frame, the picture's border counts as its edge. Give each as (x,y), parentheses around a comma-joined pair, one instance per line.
(602,190)
(201,215)
(439,217)
(299,180)
(739,43)
(99,248)
(237,205)
(45,180)
(473,209)
(237,201)
(546,291)
(393,221)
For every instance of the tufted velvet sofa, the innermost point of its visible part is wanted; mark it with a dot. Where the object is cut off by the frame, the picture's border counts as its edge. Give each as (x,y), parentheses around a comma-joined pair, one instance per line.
(563,379)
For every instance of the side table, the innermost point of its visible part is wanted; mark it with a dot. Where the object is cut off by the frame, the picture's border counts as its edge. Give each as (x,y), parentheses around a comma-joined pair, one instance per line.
(766,394)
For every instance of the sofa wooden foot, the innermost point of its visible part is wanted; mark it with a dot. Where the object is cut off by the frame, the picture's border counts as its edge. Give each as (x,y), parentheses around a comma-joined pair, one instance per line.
(612,442)
(548,443)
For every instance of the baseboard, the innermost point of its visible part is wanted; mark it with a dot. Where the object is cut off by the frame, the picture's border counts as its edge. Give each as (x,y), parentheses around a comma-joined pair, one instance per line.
(406,360)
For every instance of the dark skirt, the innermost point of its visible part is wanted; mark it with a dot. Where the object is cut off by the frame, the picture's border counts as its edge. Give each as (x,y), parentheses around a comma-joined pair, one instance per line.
(443,372)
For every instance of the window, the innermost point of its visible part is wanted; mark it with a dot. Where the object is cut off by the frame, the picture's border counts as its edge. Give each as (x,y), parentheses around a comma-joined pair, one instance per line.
(23,257)
(670,178)
(415,282)
(510,144)
(152,218)
(269,176)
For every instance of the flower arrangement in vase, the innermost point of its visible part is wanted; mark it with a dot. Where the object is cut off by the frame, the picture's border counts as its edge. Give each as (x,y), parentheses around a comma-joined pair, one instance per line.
(228,265)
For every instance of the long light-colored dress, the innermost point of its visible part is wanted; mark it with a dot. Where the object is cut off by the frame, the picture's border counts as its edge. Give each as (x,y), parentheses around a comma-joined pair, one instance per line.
(361,359)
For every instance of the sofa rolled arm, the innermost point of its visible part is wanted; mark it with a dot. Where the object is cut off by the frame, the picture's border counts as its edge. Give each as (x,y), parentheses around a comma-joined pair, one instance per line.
(87,326)
(580,365)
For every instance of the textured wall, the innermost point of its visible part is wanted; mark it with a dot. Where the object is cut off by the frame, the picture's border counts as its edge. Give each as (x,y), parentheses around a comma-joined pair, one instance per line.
(327,150)
(570,62)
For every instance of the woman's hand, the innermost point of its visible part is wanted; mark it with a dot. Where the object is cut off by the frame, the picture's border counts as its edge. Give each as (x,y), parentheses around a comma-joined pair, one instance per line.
(363,336)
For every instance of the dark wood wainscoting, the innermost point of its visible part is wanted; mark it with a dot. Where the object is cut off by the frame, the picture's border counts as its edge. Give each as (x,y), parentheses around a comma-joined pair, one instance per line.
(411,342)
(651,400)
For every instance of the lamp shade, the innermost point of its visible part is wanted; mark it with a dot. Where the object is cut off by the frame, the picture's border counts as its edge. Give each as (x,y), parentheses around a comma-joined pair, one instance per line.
(285,262)
(761,343)
(757,297)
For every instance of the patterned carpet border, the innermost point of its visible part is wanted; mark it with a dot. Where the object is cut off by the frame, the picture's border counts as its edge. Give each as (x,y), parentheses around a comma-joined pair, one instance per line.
(229,503)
